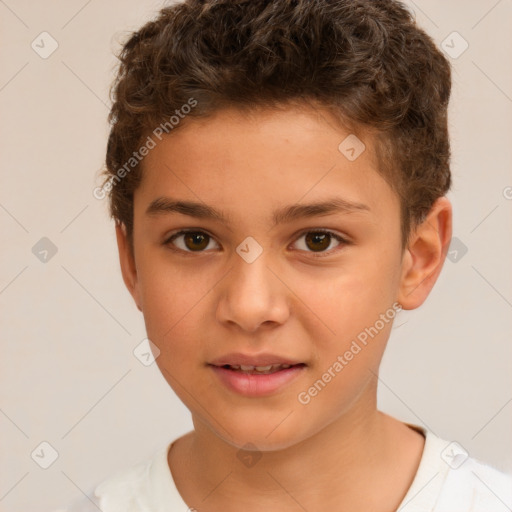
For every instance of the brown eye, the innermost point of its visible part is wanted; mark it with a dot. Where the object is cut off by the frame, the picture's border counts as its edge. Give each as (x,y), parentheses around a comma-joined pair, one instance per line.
(190,241)
(319,241)
(196,241)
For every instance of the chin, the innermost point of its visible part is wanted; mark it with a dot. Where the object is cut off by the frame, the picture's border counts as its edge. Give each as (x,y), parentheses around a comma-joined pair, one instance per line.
(263,434)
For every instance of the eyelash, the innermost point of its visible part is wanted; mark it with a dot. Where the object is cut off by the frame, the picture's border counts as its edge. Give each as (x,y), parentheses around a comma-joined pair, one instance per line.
(338,238)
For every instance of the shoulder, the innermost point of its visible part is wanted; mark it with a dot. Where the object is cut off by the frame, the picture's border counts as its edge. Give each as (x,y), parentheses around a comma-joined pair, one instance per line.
(476,487)
(116,493)
(449,479)
(143,486)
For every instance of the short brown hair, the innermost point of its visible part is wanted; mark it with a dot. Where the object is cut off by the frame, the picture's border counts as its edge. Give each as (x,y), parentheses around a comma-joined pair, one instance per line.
(365,60)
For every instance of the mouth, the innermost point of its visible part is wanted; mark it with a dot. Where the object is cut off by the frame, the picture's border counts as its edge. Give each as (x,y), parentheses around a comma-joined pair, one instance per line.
(258,370)
(258,380)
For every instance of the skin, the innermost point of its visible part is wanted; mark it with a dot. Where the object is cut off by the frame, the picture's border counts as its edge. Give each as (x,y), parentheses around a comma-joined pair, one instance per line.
(338,452)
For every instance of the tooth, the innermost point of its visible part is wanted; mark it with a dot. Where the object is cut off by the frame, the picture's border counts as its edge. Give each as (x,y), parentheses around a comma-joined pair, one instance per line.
(246,368)
(286,366)
(235,367)
(263,368)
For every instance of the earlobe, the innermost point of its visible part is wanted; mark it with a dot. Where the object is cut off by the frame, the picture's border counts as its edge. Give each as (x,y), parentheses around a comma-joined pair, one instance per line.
(425,255)
(127,262)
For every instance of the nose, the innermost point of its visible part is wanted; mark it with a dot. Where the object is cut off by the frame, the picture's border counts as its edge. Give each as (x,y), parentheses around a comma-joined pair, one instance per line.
(251,296)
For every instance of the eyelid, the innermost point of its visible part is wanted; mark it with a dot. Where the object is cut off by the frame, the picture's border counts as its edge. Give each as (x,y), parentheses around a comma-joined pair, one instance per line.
(340,238)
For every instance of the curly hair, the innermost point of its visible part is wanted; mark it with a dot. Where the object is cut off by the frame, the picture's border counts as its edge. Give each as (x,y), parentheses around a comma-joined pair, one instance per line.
(365,60)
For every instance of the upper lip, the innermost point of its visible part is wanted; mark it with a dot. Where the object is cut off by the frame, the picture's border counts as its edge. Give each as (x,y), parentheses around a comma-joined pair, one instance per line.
(237,359)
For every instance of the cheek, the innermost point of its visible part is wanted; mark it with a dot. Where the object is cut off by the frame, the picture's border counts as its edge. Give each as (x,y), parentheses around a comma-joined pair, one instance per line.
(172,299)
(347,363)
(347,300)
(172,307)
(358,306)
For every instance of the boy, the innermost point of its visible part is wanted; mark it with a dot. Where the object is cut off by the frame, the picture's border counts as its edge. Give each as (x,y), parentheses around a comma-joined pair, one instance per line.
(244,133)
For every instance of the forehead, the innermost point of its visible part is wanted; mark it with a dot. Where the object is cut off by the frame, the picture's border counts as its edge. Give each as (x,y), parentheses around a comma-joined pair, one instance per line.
(243,161)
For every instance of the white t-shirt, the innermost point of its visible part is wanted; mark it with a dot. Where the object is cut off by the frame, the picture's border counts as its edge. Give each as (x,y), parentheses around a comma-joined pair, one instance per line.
(447,480)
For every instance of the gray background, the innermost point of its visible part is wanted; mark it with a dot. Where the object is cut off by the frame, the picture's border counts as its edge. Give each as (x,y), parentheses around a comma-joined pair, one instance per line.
(69,327)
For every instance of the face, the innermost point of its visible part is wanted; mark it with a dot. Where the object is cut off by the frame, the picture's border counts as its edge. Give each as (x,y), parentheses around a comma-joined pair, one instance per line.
(257,242)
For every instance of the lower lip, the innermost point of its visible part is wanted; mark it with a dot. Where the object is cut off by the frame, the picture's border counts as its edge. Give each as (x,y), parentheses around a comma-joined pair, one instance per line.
(254,385)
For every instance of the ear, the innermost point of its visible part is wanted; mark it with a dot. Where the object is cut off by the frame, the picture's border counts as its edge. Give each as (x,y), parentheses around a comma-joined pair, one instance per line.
(424,256)
(127,261)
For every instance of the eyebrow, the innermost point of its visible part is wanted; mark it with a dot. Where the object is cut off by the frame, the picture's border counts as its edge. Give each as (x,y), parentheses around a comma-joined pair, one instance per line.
(166,205)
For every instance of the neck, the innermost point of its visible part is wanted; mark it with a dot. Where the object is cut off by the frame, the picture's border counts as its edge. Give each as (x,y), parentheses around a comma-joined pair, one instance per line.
(346,466)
